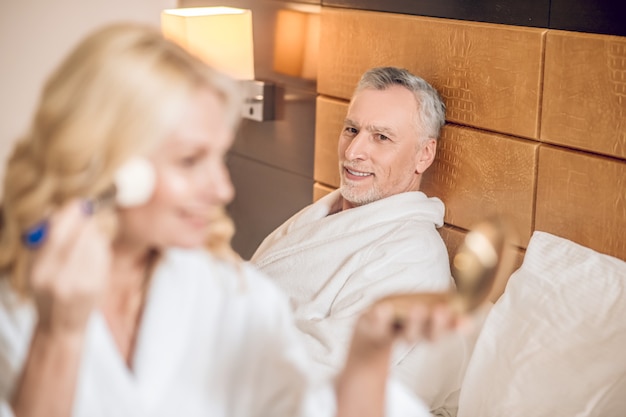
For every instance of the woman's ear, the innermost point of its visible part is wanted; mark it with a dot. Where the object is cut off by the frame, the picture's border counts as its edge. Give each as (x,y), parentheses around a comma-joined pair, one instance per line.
(425,155)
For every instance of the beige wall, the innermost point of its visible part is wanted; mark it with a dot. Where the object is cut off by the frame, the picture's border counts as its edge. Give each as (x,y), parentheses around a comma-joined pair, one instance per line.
(34,37)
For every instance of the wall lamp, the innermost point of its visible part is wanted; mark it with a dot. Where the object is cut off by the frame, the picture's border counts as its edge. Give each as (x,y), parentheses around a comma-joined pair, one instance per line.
(296,43)
(222,37)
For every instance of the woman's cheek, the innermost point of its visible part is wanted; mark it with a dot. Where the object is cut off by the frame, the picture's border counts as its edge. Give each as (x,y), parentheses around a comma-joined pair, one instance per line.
(172,186)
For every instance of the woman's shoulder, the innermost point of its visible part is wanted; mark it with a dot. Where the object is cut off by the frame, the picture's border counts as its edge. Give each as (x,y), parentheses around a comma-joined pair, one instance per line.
(14,309)
(240,279)
(17,321)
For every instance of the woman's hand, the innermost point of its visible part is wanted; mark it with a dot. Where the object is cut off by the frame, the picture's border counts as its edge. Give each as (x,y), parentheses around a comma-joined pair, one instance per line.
(361,386)
(68,275)
(69,272)
(411,317)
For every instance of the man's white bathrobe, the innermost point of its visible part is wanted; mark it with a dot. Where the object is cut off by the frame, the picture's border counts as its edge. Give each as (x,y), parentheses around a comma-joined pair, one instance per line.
(333,266)
(214,340)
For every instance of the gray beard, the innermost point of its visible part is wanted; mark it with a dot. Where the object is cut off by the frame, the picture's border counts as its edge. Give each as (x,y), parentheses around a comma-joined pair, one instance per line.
(359,198)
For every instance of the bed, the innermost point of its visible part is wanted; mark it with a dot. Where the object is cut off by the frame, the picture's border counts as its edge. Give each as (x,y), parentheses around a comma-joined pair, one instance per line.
(536,132)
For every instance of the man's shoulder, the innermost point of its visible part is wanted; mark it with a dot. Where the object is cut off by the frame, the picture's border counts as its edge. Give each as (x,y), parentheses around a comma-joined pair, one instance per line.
(412,206)
(415,198)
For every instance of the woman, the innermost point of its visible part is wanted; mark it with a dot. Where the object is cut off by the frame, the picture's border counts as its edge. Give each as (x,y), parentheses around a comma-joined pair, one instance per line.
(121,310)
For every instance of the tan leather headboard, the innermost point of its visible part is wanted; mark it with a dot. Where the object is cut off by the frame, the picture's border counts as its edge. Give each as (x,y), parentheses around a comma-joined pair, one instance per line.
(536,119)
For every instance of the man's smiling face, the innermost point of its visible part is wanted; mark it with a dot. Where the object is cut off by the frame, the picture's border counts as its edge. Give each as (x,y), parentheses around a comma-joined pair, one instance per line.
(380,153)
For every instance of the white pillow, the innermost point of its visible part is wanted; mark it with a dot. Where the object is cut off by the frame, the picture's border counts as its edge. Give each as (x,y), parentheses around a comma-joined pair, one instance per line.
(555,342)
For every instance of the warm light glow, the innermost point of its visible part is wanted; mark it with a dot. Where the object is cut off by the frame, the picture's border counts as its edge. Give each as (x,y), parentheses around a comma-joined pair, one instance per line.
(221,36)
(296,43)
(204,11)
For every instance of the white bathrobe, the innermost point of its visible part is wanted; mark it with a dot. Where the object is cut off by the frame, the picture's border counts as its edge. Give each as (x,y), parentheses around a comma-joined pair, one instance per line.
(213,341)
(333,266)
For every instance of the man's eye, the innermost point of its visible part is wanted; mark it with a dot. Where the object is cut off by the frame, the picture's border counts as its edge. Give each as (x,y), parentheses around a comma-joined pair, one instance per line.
(381,137)
(351,131)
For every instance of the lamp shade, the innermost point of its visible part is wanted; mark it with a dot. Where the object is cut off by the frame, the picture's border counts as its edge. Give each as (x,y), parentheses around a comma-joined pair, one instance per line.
(296,43)
(221,36)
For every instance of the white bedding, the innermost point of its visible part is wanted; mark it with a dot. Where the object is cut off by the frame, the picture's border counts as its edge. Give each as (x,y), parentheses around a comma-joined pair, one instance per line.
(554,344)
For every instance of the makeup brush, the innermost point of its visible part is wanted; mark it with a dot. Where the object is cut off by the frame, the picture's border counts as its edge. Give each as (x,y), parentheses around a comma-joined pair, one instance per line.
(133,185)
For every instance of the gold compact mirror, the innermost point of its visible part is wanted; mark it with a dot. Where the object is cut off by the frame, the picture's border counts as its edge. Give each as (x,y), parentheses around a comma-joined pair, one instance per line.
(475,267)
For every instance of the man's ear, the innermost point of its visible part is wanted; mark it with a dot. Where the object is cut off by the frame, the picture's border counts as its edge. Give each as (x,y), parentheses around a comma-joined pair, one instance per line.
(425,156)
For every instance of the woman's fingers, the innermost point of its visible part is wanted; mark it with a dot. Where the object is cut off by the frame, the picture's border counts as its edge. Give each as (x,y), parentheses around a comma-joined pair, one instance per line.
(442,321)
(413,323)
(62,232)
(423,317)
(411,317)
(88,259)
(69,271)
(374,323)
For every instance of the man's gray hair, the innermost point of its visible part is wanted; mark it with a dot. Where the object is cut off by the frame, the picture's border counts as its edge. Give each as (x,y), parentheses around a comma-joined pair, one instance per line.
(431,111)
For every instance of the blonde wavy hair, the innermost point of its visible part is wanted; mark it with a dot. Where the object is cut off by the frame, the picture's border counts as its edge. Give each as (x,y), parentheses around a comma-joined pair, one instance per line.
(121,91)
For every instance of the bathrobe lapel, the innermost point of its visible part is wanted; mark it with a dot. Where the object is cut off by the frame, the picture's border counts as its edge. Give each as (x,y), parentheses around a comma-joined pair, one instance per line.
(334,266)
(164,333)
(313,227)
(161,341)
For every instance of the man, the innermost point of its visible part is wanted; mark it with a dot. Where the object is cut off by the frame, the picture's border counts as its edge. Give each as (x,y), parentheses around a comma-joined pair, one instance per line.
(374,236)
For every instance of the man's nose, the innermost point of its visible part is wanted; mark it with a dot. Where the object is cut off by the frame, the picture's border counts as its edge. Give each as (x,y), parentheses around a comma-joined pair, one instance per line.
(358,147)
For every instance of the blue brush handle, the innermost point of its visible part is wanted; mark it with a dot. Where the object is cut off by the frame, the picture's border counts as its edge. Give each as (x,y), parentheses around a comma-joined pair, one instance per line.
(34,237)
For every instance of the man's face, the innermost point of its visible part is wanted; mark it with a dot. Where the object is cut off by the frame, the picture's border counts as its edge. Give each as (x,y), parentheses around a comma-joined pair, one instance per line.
(379,148)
